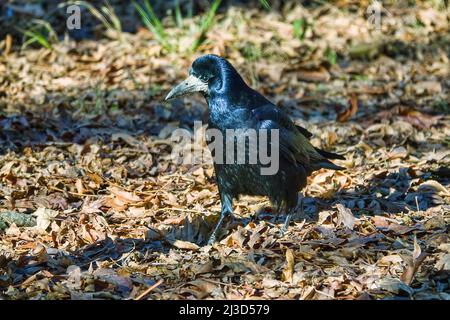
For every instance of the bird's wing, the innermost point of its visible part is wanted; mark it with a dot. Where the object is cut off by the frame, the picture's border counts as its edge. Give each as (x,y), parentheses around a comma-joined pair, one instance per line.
(293,140)
(304,132)
(294,144)
(271,112)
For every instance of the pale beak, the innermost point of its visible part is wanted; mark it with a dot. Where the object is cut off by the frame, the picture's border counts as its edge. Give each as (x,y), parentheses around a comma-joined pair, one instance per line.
(190,85)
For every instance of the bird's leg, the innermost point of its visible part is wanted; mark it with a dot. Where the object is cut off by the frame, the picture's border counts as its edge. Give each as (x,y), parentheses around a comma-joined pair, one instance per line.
(227,210)
(300,204)
(277,211)
(290,213)
(286,223)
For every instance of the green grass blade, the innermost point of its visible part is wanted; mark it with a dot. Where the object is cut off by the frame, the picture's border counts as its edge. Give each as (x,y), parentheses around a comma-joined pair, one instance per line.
(206,25)
(178,15)
(300,27)
(40,31)
(265,4)
(152,23)
(154,19)
(109,12)
(96,13)
(51,34)
(331,56)
(37,37)
(145,18)
(28,42)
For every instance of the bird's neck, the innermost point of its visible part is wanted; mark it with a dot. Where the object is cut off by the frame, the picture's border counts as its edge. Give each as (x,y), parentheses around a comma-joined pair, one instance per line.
(230,108)
(230,98)
(230,85)
(236,96)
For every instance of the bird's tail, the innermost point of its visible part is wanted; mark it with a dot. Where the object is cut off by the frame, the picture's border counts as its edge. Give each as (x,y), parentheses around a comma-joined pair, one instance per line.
(327,164)
(329,155)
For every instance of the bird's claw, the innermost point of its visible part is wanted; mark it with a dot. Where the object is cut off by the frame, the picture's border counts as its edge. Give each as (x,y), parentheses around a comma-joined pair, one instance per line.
(283,231)
(286,224)
(212,239)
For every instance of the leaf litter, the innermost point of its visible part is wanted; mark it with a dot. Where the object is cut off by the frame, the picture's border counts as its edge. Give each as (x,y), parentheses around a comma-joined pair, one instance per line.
(92,207)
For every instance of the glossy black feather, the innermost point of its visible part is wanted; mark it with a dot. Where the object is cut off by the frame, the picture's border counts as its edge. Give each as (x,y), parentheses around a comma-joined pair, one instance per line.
(304,132)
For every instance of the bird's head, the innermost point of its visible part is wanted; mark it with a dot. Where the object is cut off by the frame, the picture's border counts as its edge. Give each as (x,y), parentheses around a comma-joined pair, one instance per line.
(211,75)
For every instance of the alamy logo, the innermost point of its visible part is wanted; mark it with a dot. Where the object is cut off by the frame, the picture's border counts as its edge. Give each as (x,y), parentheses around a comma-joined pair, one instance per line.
(234,146)
(74,19)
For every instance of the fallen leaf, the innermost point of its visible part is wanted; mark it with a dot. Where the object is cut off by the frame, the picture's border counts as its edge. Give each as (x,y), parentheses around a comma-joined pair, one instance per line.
(320,75)
(125,196)
(412,263)
(400,229)
(390,259)
(8,44)
(178,221)
(398,153)
(443,263)
(120,283)
(418,118)
(345,216)
(427,87)
(351,111)
(393,285)
(44,218)
(433,185)
(380,222)
(79,186)
(288,270)
(185,245)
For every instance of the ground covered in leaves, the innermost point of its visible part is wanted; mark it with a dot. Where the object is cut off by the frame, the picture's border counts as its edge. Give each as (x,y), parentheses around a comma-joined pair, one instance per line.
(92,206)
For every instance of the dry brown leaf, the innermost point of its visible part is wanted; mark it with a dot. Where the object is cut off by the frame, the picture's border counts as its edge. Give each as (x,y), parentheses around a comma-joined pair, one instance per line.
(125,196)
(202,288)
(418,118)
(345,216)
(238,237)
(444,262)
(95,177)
(185,245)
(390,259)
(380,222)
(400,229)
(204,268)
(308,293)
(288,270)
(175,221)
(412,263)
(427,87)
(8,44)
(80,187)
(323,176)
(398,153)
(434,186)
(44,218)
(320,75)
(351,111)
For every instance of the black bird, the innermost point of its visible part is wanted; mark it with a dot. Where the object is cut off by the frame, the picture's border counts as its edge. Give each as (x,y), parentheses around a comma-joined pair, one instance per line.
(233,104)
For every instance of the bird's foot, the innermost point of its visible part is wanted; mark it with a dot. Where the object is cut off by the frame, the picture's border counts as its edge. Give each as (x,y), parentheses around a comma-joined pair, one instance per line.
(285,227)
(218,230)
(283,231)
(212,239)
(275,218)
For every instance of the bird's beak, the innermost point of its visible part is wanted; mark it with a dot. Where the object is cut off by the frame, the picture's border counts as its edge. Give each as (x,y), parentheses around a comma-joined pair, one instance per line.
(190,85)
